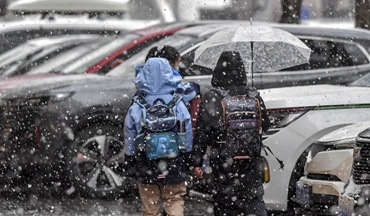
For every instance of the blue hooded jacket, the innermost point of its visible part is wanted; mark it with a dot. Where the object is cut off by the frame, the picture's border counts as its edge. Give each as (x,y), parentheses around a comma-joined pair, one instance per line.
(157,80)
(188,91)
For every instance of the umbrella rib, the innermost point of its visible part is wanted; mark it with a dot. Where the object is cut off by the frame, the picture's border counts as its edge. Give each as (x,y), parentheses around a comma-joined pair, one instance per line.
(264,49)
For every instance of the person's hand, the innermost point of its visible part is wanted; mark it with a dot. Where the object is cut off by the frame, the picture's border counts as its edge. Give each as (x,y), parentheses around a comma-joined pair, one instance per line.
(129,166)
(198,172)
(195,87)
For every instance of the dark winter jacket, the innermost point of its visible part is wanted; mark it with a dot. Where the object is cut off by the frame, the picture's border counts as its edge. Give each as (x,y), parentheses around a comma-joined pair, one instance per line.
(229,75)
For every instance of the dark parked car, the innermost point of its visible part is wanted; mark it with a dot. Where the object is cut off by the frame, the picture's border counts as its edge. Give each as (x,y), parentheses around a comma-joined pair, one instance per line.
(72,126)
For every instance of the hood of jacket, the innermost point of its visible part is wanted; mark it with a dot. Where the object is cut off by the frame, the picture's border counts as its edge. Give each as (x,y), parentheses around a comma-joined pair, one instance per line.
(229,71)
(157,77)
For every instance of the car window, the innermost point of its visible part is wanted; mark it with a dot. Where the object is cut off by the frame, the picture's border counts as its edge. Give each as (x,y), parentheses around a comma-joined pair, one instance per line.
(332,54)
(187,66)
(9,40)
(103,49)
(364,81)
(42,56)
(114,61)
(62,58)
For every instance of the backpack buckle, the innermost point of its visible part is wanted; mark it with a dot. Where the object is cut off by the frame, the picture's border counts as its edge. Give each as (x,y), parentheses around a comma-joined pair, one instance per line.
(244,157)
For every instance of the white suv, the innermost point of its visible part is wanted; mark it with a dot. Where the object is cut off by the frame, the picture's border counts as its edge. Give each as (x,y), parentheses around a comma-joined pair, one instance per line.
(300,116)
(328,168)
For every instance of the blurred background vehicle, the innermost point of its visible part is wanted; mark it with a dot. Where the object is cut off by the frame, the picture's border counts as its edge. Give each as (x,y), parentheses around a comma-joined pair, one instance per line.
(346,55)
(97,57)
(72,17)
(149,12)
(263,10)
(327,169)
(338,56)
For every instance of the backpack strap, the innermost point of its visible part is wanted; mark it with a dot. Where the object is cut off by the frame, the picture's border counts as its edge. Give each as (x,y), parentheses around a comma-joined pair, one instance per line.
(144,105)
(174,101)
(222,93)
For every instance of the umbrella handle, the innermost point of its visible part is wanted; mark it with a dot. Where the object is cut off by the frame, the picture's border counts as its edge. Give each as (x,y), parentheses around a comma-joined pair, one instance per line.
(251,64)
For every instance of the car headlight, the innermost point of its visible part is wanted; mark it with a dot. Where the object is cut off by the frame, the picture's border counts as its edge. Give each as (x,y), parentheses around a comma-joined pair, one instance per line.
(318,146)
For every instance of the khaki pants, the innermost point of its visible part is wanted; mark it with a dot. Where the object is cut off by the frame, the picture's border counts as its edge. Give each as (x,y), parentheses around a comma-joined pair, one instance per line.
(171,196)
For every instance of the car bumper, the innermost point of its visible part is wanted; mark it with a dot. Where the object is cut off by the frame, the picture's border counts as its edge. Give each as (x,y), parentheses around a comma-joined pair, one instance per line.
(317,195)
(322,187)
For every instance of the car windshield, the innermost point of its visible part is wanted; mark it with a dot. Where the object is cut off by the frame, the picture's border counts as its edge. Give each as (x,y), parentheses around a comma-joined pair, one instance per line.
(14,53)
(62,58)
(24,50)
(84,56)
(127,70)
(43,54)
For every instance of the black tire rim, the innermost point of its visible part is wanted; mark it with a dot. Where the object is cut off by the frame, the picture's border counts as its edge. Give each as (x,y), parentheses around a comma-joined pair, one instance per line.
(99,163)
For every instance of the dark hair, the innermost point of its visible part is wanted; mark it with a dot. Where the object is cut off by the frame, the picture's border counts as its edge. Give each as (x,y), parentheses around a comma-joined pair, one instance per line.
(168,52)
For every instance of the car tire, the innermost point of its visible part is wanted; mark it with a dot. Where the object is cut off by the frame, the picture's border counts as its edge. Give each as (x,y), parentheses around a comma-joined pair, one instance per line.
(298,171)
(94,162)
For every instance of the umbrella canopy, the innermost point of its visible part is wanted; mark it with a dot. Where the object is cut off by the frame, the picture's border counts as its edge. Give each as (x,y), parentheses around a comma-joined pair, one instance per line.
(262,48)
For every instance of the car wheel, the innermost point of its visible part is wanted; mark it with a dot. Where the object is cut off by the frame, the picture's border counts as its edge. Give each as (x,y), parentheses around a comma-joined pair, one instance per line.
(95,162)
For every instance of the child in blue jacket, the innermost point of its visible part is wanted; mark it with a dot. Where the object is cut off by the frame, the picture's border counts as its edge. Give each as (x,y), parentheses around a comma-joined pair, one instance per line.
(161,181)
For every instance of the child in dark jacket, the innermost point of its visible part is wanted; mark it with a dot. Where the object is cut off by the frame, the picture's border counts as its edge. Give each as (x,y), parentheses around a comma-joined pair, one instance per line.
(238,182)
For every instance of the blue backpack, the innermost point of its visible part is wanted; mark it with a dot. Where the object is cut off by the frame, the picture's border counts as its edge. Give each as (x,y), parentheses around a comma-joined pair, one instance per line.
(161,136)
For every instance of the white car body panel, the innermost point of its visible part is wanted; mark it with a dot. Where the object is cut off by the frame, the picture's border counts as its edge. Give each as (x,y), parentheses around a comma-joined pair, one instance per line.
(314,95)
(339,164)
(291,141)
(336,162)
(346,133)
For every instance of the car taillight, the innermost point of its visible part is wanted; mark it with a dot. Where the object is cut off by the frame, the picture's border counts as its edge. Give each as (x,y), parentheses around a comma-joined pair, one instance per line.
(280,118)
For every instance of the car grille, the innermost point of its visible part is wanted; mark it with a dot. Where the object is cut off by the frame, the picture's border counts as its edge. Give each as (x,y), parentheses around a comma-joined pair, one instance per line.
(325,177)
(361,165)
